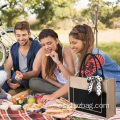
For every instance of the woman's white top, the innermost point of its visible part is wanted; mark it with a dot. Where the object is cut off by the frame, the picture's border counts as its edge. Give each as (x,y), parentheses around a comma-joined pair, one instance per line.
(59,76)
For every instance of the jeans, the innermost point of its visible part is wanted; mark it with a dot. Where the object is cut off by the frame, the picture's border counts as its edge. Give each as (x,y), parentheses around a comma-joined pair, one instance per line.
(23,83)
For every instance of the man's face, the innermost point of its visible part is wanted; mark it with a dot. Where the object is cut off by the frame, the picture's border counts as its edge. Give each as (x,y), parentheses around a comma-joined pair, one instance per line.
(22,36)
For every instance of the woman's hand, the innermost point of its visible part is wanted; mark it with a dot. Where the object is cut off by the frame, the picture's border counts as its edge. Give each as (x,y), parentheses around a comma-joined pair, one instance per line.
(19,76)
(54,56)
(47,98)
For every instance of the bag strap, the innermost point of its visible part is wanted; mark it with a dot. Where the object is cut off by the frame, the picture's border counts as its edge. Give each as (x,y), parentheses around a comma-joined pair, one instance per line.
(94,57)
(84,64)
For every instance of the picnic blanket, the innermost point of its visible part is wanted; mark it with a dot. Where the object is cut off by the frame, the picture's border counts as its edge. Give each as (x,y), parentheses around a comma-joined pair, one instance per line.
(20,115)
(23,115)
(92,117)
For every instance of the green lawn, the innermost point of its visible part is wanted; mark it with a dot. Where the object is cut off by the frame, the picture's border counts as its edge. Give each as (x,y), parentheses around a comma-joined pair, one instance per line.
(112,49)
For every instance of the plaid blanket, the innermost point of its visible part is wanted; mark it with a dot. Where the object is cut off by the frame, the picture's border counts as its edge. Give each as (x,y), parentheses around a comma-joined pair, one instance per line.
(92,117)
(21,115)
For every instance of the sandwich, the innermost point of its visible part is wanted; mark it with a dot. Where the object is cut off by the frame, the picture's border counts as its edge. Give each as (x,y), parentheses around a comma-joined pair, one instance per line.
(47,55)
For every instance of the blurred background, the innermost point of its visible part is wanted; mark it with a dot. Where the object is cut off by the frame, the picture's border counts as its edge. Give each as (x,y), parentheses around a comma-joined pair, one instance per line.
(61,15)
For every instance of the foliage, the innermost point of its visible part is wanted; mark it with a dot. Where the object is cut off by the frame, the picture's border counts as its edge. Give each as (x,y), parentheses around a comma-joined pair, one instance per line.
(53,11)
(109,15)
(50,12)
(101,26)
(47,10)
(106,12)
(16,8)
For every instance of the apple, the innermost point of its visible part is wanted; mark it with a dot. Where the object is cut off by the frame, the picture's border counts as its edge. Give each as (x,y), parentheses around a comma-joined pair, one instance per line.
(39,99)
(31,100)
(36,97)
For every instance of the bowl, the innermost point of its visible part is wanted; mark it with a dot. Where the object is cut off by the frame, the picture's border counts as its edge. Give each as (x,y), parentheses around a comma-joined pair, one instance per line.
(31,108)
(4,107)
(15,107)
(6,102)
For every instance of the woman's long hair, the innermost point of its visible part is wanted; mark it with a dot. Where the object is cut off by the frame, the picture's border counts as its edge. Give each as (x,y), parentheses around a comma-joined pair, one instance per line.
(50,64)
(85,34)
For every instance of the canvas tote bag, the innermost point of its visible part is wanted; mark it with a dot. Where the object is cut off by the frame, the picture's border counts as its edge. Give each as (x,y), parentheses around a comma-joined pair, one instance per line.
(95,95)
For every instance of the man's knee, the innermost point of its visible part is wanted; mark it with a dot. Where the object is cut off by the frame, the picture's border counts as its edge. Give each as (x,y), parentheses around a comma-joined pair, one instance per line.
(3,77)
(1,68)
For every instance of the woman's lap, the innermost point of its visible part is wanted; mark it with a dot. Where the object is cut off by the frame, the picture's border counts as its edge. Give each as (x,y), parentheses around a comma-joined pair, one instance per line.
(40,85)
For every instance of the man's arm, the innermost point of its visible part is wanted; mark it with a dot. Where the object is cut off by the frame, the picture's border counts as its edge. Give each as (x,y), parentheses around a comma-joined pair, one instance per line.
(36,67)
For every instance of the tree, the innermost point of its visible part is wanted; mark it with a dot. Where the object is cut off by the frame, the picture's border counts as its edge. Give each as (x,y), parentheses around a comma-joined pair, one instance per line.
(50,11)
(105,12)
(46,10)
(13,12)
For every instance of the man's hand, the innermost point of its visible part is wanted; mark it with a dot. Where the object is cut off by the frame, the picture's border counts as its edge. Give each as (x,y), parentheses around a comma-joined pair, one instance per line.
(19,76)
(12,85)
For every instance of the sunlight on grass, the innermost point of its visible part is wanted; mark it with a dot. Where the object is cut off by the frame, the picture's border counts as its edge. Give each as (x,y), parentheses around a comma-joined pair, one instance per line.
(112,49)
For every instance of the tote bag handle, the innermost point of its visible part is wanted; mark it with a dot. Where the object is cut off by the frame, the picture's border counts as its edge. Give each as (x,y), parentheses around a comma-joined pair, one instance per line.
(83,64)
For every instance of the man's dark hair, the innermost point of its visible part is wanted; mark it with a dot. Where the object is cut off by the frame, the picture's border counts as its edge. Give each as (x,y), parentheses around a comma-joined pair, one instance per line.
(23,25)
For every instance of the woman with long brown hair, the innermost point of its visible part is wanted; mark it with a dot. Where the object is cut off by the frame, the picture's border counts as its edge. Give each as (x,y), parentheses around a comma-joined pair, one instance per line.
(81,39)
(58,63)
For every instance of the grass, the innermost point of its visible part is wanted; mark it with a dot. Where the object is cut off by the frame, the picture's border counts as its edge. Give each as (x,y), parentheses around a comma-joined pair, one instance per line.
(76,118)
(112,49)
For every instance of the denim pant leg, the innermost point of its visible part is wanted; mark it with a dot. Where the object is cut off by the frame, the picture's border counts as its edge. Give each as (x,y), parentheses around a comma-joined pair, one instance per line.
(23,83)
(5,86)
(1,68)
(117,93)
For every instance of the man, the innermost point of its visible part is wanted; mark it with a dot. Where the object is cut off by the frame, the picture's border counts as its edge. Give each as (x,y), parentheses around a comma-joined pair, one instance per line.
(22,58)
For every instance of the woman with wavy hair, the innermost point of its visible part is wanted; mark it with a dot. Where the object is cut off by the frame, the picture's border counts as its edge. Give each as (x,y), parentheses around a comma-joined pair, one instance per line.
(58,63)
(81,39)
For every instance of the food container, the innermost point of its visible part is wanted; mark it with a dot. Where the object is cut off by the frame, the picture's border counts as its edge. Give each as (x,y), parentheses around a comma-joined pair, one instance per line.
(15,107)
(32,108)
(4,107)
